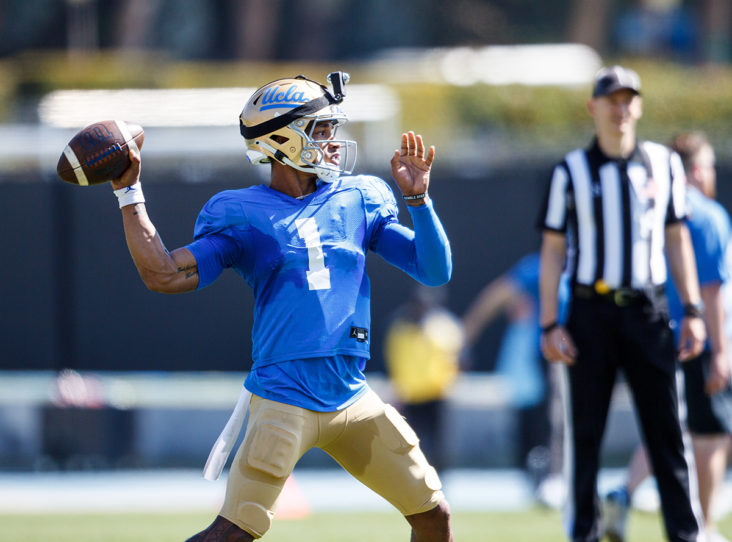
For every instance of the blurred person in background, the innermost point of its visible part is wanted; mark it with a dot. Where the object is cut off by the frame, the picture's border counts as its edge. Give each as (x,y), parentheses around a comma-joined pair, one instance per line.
(533,383)
(707,382)
(300,242)
(422,351)
(611,211)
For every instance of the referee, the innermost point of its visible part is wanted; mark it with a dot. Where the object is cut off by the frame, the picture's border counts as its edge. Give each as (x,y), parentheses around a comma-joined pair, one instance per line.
(610,212)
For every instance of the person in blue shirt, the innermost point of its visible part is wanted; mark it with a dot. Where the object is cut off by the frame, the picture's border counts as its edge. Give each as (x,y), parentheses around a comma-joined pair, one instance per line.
(533,382)
(300,243)
(707,376)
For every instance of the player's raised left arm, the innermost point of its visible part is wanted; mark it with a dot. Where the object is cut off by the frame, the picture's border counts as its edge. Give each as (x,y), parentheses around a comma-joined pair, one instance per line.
(424,253)
(160,270)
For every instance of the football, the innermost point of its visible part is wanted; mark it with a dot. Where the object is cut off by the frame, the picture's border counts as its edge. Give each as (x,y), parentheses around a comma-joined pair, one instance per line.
(99,152)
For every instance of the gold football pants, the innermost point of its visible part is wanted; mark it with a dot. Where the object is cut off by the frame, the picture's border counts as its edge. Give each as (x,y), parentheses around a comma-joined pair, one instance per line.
(370,439)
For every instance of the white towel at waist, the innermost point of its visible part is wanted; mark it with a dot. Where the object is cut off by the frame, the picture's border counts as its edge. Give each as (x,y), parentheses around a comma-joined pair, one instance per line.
(223,445)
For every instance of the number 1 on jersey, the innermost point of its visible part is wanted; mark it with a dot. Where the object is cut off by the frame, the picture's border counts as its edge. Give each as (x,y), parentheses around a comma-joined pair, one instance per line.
(318,275)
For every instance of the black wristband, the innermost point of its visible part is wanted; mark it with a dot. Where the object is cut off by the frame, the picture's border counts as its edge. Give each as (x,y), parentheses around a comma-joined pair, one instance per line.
(415,196)
(549,327)
(692,310)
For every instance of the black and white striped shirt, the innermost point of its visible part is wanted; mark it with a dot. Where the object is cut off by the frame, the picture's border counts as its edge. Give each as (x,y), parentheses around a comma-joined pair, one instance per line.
(614,212)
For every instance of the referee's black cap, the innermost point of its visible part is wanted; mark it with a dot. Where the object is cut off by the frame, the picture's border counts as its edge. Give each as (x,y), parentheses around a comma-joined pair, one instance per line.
(614,78)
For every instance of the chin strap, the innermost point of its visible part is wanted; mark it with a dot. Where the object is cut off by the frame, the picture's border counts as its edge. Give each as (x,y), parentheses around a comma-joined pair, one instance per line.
(327,175)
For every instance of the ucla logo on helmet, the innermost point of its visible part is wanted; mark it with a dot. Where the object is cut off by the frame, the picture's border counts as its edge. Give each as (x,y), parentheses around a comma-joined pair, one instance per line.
(278,96)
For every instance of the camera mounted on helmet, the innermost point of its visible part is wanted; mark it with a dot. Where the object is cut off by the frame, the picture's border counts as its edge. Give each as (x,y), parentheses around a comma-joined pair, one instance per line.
(338,81)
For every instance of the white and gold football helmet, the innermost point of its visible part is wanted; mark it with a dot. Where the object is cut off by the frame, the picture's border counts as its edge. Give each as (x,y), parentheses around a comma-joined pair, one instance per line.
(279,119)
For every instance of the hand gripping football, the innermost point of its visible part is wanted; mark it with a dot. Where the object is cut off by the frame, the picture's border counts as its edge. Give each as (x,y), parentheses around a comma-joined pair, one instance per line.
(99,152)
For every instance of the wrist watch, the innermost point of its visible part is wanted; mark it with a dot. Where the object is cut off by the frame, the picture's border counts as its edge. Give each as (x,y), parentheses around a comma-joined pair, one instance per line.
(692,310)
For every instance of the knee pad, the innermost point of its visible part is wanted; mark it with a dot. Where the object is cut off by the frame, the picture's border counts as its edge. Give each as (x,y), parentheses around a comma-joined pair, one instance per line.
(253,518)
(257,477)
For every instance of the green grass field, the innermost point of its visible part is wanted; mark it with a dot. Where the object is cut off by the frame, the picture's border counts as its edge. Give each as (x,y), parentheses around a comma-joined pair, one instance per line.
(530,526)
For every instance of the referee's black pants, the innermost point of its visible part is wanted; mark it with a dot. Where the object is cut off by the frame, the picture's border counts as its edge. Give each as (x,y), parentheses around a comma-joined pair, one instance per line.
(638,340)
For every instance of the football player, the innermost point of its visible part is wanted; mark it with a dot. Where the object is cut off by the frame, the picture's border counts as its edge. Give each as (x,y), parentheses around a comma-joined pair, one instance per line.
(300,242)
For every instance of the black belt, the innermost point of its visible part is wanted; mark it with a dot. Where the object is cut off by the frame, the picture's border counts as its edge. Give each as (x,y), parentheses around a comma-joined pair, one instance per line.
(620,297)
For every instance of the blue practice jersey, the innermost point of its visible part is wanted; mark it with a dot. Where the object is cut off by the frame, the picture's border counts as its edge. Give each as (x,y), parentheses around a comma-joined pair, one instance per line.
(519,355)
(709,228)
(305,260)
(525,275)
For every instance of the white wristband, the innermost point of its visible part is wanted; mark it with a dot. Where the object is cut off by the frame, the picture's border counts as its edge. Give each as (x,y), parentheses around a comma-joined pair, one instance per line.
(130,195)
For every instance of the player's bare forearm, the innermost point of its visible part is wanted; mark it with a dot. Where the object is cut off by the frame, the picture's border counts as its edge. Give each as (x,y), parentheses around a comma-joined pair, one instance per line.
(493,299)
(160,270)
(714,317)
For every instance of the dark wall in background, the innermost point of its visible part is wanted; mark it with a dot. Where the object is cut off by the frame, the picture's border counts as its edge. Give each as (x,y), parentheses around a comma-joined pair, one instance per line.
(71,296)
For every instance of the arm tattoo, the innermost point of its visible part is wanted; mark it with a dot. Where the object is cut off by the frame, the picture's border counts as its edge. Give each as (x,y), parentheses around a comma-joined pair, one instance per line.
(189,270)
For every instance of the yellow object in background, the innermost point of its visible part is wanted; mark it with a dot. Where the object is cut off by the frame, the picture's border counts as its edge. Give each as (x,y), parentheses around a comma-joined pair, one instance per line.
(422,357)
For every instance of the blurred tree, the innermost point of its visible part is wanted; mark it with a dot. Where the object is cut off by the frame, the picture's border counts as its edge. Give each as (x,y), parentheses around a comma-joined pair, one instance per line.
(254,25)
(717,17)
(315,30)
(382,24)
(588,23)
(337,30)
(476,21)
(136,21)
(27,23)
(82,27)
(189,29)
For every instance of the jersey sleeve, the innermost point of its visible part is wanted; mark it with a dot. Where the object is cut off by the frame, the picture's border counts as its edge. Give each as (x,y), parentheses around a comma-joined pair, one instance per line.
(710,249)
(214,246)
(222,211)
(525,273)
(423,253)
(676,210)
(380,204)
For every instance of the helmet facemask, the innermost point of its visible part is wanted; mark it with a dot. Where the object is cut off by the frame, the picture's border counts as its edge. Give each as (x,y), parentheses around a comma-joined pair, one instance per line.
(307,105)
(328,157)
